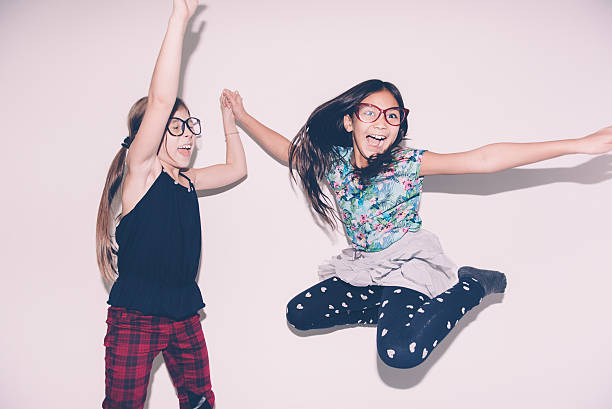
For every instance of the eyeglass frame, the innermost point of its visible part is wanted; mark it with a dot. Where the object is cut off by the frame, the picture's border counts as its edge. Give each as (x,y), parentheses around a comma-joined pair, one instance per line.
(184,123)
(381,112)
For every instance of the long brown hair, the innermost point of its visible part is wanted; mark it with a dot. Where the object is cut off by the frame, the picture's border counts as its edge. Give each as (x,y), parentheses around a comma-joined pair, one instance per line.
(106,248)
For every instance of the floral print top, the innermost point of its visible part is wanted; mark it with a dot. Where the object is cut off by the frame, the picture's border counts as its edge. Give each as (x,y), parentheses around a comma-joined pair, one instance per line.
(379,214)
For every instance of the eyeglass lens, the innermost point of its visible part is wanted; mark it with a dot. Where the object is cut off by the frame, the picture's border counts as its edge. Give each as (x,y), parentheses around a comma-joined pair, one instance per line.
(176,126)
(369,113)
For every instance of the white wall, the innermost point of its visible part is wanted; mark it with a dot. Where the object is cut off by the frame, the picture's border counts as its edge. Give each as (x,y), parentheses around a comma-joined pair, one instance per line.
(472,73)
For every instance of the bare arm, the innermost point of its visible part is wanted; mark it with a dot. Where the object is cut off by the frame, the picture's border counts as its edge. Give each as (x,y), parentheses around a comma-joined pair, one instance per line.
(162,93)
(501,156)
(272,141)
(141,161)
(235,166)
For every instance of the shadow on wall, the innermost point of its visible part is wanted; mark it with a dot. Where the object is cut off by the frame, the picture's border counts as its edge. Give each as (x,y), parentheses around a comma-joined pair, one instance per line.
(216,191)
(593,171)
(190,44)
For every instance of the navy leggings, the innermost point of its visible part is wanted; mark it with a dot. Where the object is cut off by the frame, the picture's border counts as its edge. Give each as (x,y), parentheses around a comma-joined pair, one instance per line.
(409,324)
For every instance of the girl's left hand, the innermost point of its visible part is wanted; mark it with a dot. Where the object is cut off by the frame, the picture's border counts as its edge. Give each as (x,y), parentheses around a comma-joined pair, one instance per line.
(598,142)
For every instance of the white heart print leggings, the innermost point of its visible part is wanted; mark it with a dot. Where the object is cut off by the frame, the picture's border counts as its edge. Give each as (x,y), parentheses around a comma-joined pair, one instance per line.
(409,324)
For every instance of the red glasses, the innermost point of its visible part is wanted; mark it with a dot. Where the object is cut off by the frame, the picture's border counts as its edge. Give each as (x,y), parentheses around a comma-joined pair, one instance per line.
(370,113)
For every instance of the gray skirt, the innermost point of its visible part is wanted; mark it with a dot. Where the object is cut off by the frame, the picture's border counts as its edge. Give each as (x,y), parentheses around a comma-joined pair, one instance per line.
(416,261)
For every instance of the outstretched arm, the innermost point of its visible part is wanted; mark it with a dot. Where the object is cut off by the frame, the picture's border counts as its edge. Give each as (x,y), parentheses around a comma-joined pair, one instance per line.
(272,141)
(235,167)
(162,93)
(501,156)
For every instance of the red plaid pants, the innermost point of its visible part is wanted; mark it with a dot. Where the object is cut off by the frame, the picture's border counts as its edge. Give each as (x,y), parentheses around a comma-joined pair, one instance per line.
(133,340)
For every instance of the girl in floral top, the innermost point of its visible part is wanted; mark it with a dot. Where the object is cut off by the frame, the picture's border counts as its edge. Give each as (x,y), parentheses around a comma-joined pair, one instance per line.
(395,275)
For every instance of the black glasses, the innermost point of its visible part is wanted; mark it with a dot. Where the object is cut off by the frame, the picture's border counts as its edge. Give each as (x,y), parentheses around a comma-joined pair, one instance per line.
(176,126)
(370,113)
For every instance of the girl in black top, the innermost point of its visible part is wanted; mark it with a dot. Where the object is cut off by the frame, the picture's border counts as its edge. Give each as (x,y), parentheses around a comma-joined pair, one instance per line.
(155,299)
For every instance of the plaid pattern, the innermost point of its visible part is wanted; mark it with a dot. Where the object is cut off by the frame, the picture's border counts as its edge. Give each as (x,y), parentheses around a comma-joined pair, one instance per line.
(132,342)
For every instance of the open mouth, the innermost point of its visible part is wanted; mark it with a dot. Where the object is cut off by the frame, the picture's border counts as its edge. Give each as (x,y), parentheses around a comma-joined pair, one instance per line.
(185,150)
(375,140)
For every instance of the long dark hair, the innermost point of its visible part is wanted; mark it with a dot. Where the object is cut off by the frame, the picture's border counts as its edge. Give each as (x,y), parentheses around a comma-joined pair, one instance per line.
(314,149)
(105,248)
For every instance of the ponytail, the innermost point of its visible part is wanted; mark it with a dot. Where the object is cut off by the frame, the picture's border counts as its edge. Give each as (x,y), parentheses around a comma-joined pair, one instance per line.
(106,249)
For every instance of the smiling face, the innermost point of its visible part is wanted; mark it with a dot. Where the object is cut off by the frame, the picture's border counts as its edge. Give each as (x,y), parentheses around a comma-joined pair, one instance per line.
(376,137)
(176,150)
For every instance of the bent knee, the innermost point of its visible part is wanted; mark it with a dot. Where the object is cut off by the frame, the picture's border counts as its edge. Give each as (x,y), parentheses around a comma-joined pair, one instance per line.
(402,356)
(297,317)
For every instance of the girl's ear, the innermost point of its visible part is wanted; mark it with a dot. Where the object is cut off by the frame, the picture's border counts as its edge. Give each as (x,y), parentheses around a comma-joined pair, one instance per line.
(348,123)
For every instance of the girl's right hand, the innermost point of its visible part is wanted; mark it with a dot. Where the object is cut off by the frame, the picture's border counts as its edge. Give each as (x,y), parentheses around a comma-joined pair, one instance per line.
(273,142)
(235,101)
(226,109)
(184,9)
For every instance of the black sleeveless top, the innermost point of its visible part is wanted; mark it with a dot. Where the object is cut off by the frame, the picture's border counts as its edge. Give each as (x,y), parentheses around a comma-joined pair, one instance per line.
(159,252)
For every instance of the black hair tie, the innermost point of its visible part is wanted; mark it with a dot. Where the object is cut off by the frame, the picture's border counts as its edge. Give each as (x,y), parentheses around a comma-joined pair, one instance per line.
(127,142)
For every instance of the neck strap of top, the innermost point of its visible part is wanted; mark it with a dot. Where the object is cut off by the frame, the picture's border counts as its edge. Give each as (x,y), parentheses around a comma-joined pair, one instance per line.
(191,186)
(185,176)
(188,180)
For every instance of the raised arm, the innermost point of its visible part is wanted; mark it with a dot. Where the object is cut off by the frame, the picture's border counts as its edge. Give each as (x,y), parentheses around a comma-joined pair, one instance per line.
(162,94)
(501,156)
(273,142)
(235,167)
